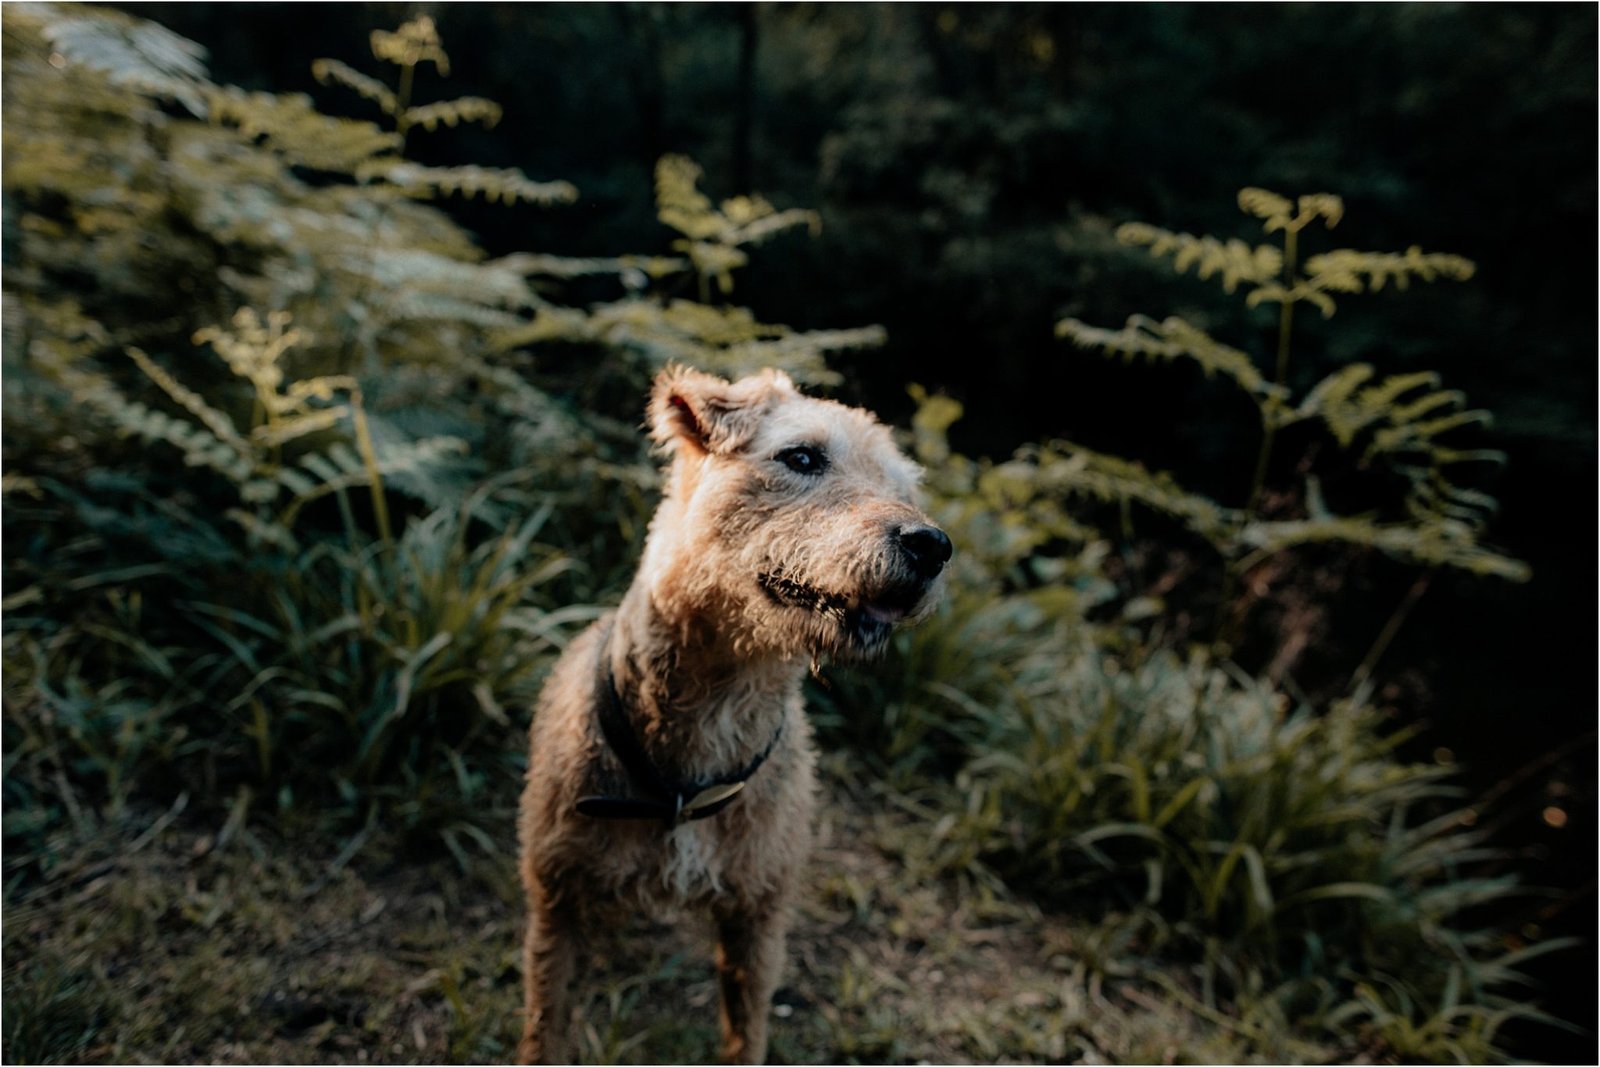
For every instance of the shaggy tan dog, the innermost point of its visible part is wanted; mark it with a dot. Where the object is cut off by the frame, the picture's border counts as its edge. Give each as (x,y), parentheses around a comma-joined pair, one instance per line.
(671,761)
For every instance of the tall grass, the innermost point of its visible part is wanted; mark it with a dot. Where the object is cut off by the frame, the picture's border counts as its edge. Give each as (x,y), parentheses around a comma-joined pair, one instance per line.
(393,672)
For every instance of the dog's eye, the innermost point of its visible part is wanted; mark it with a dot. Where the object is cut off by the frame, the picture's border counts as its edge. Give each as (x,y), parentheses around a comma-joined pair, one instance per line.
(803,459)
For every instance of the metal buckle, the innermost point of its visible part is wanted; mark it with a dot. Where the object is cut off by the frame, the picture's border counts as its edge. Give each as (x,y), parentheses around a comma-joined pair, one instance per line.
(711,795)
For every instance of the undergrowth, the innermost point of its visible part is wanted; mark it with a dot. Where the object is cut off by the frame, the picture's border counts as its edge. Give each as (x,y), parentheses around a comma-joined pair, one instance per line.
(304,492)
(256,532)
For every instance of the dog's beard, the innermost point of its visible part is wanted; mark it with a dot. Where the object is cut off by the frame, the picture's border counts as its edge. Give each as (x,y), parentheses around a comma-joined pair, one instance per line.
(858,627)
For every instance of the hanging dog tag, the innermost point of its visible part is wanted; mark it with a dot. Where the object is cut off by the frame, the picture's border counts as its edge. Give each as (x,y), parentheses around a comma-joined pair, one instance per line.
(713,795)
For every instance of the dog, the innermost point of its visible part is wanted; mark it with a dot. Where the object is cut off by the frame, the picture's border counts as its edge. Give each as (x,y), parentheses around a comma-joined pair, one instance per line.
(671,764)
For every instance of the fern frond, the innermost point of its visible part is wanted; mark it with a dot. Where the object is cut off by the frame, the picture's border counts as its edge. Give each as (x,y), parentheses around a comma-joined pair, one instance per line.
(262,533)
(753,220)
(419,281)
(1347,407)
(805,349)
(1278,213)
(199,446)
(1406,430)
(333,72)
(1273,291)
(1066,467)
(1330,398)
(320,388)
(679,201)
(713,261)
(721,326)
(1438,542)
(1419,435)
(280,432)
(1266,205)
(453,113)
(1171,339)
(1326,206)
(495,184)
(1433,495)
(301,133)
(1346,270)
(1234,260)
(219,424)
(442,474)
(728,340)
(532,264)
(339,467)
(415,42)
(131,53)
(1415,410)
(712,236)
(253,347)
(442,308)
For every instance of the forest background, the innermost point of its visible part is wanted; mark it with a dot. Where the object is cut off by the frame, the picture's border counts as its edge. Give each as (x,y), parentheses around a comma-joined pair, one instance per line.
(969,168)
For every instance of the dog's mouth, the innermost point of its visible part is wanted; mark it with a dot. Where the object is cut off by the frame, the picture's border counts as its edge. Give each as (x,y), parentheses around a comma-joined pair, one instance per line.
(865,621)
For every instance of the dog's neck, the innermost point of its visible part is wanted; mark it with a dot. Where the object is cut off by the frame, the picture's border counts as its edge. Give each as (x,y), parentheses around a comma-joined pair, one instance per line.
(699,702)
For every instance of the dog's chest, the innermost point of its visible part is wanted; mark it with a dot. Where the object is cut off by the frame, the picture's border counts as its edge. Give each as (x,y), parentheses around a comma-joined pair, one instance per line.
(663,870)
(691,864)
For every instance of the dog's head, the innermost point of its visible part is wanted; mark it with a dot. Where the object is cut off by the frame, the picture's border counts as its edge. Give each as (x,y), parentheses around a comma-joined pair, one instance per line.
(794,519)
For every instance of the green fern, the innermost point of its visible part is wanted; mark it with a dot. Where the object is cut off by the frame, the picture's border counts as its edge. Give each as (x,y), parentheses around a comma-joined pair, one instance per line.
(494,185)
(712,236)
(1171,339)
(414,43)
(1429,541)
(1233,260)
(727,340)
(131,53)
(1068,469)
(452,113)
(294,127)
(335,72)
(1278,214)
(1403,423)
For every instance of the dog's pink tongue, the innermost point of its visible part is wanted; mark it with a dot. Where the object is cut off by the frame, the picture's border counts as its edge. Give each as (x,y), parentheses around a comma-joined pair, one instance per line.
(883,613)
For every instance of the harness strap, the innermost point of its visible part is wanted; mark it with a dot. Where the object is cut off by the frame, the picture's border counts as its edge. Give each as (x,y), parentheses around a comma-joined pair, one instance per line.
(670,801)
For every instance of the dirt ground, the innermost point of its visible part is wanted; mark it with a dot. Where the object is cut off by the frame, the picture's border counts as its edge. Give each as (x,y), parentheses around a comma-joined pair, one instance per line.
(162,938)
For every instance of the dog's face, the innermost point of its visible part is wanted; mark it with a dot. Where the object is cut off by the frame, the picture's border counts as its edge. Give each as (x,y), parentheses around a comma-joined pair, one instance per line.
(795,519)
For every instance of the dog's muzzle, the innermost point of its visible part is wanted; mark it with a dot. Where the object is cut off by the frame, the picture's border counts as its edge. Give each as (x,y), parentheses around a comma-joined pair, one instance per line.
(867,620)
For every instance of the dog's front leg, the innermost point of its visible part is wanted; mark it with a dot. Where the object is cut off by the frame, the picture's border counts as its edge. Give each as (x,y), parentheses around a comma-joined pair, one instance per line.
(749,961)
(548,960)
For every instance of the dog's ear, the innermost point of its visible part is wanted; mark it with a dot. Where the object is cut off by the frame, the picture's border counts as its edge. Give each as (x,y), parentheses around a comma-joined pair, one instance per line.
(692,410)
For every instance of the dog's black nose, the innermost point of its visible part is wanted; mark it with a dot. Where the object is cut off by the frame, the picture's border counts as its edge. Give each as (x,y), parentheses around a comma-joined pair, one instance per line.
(927,548)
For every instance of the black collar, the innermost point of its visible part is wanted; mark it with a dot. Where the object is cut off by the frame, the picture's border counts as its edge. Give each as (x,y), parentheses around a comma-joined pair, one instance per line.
(670,801)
